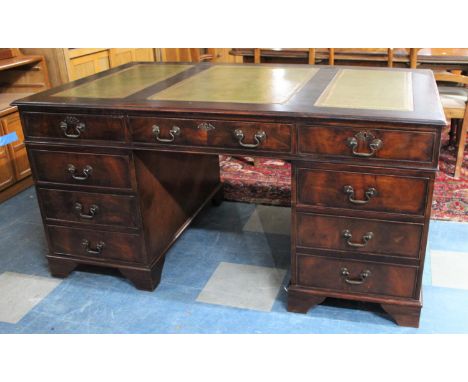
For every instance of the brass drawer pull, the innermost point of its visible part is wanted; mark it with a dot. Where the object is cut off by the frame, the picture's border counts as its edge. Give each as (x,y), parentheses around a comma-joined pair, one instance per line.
(373,143)
(87,171)
(175,130)
(362,276)
(370,193)
(365,239)
(259,137)
(93,210)
(74,125)
(99,247)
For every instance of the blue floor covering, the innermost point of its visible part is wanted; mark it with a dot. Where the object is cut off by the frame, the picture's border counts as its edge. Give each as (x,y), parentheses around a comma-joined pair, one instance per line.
(102,301)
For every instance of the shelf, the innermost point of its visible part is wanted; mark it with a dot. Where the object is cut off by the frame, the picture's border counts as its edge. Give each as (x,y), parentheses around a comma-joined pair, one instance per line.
(7,98)
(10,63)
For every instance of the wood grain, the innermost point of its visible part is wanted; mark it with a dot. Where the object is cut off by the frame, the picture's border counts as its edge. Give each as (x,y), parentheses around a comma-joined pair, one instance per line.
(405,195)
(326,273)
(326,232)
(150,190)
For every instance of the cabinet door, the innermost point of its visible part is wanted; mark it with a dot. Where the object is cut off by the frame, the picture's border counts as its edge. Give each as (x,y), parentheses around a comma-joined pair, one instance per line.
(7,175)
(120,56)
(83,66)
(144,54)
(175,54)
(17,150)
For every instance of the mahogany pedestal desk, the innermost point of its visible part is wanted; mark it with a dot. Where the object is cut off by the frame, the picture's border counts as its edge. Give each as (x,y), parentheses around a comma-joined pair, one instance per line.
(123,161)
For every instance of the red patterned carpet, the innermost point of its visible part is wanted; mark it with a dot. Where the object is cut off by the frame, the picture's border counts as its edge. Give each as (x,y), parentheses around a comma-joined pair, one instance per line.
(268,181)
(450,200)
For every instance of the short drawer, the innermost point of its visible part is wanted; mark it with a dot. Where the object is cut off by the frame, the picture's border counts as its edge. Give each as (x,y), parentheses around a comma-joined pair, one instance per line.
(368,144)
(85,169)
(89,208)
(356,276)
(358,235)
(74,126)
(362,191)
(96,245)
(260,136)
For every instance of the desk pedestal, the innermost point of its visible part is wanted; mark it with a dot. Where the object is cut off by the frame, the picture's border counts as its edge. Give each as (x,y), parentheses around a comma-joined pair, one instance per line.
(128,229)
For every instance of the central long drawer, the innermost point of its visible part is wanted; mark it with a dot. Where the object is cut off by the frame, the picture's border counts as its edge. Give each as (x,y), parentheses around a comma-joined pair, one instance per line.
(255,136)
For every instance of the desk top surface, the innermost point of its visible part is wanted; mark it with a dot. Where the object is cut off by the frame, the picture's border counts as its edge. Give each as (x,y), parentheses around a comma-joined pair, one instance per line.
(304,91)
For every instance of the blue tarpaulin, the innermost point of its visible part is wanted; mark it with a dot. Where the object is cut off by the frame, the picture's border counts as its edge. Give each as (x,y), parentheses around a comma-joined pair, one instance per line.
(9,138)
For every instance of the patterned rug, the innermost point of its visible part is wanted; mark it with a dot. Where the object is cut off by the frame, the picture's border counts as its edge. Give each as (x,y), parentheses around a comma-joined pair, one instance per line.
(268,181)
(259,180)
(450,200)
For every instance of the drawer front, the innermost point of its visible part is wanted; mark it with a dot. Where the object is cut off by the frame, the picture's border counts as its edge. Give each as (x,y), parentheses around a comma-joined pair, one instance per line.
(90,208)
(368,144)
(86,169)
(214,133)
(359,235)
(74,126)
(362,191)
(96,245)
(356,276)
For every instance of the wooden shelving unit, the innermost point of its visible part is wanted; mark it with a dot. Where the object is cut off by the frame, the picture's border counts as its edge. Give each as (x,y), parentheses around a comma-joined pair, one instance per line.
(20,76)
(69,64)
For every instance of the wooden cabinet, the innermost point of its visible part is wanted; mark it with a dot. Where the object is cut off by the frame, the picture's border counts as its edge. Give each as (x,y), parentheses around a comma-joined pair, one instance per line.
(83,65)
(120,56)
(12,124)
(69,64)
(83,62)
(174,54)
(20,76)
(7,177)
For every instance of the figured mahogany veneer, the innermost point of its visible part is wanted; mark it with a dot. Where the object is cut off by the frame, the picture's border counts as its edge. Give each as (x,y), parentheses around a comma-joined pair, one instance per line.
(385,193)
(398,145)
(119,179)
(74,126)
(89,208)
(83,169)
(97,245)
(358,235)
(215,133)
(353,276)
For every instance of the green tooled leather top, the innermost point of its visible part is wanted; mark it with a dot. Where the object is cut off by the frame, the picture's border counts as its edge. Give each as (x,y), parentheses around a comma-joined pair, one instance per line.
(369,89)
(125,82)
(283,90)
(239,84)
